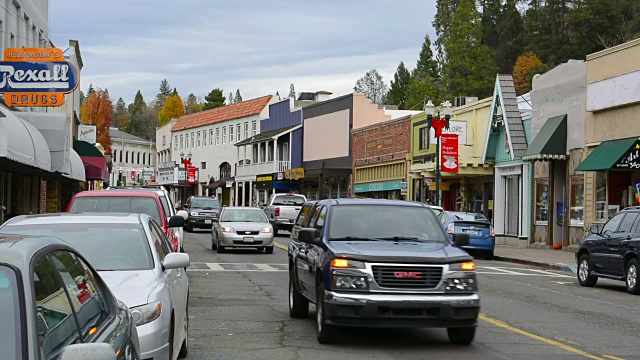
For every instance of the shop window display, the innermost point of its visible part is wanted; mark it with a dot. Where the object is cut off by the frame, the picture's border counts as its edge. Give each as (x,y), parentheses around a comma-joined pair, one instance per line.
(577,201)
(601,196)
(542,200)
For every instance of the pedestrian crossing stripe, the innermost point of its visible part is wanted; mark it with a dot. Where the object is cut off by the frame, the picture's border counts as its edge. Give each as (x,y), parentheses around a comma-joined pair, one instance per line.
(271,267)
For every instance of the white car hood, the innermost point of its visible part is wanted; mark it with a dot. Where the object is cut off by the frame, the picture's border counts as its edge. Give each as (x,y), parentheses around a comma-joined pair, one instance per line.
(131,287)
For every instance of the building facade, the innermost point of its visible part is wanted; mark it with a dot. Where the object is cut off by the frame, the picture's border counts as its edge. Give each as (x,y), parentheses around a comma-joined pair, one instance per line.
(265,160)
(134,159)
(208,139)
(380,159)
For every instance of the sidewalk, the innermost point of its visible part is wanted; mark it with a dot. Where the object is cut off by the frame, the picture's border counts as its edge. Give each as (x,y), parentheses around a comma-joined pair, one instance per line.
(546,258)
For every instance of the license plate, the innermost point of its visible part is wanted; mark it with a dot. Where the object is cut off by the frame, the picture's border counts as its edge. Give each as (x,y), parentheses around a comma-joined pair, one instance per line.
(474,232)
(207,221)
(247,239)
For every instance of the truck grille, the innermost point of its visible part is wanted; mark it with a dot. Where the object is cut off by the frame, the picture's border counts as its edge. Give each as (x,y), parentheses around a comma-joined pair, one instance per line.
(407,277)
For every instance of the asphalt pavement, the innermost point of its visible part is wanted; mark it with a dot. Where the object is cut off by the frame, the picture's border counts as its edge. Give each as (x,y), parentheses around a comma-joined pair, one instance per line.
(238,310)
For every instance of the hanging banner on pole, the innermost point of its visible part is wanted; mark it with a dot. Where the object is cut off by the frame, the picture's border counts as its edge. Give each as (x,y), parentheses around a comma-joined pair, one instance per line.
(449,151)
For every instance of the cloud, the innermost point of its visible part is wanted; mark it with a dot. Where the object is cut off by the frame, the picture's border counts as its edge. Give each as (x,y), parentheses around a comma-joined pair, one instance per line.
(258,47)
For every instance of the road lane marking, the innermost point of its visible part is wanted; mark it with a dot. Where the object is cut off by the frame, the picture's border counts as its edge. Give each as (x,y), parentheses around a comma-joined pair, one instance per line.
(265,267)
(539,338)
(281,246)
(230,267)
(612,357)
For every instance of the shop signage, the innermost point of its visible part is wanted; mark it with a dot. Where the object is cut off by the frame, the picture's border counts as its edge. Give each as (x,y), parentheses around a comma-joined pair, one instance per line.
(404,189)
(379,144)
(36,77)
(229,184)
(191,175)
(167,164)
(455,127)
(449,151)
(167,176)
(87,133)
(133,175)
(297,173)
(280,176)
(378,186)
(264,178)
(443,186)
(631,159)
(182,176)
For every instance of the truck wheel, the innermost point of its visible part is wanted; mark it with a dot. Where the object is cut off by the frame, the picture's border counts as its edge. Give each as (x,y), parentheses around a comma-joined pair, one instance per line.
(269,249)
(189,228)
(461,336)
(298,304)
(325,332)
(275,231)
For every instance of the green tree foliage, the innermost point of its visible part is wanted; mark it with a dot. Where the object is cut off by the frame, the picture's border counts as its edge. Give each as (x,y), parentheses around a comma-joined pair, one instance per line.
(192,104)
(292,91)
(214,99)
(399,90)
(120,115)
(230,98)
(238,97)
(372,86)
(426,65)
(137,124)
(163,94)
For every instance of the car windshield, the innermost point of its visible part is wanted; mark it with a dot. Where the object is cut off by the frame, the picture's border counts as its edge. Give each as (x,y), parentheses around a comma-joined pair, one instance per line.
(460,216)
(108,247)
(10,326)
(117,204)
(202,203)
(284,200)
(385,221)
(242,215)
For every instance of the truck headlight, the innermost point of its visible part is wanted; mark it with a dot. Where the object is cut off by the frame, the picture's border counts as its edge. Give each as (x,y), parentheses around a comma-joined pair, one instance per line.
(146,313)
(462,284)
(193,213)
(350,282)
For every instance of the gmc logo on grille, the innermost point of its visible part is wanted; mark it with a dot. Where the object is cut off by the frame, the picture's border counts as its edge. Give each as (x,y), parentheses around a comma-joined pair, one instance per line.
(407,275)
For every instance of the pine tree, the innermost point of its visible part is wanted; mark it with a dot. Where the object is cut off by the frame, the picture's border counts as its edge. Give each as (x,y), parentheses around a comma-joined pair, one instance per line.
(214,99)
(192,105)
(238,97)
(426,65)
(399,90)
(230,98)
(292,91)
(120,115)
(137,124)
(165,91)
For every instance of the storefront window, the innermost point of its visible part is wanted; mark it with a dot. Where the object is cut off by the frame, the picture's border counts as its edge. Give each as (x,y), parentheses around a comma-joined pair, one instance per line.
(577,200)
(601,196)
(475,198)
(542,199)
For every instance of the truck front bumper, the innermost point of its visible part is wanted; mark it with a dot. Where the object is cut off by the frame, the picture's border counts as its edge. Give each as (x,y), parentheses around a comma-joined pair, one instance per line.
(401,310)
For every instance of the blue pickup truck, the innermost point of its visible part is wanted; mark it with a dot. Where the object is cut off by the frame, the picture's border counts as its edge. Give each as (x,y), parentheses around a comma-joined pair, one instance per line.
(380,263)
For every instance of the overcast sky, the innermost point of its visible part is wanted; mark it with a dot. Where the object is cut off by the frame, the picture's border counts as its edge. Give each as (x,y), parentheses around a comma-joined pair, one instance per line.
(259,47)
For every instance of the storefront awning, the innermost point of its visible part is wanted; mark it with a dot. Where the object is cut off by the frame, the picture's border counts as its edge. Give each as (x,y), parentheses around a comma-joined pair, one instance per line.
(77,168)
(84,148)
(95,168)
(610,154)
(551,141)
(22,142)
(221,183)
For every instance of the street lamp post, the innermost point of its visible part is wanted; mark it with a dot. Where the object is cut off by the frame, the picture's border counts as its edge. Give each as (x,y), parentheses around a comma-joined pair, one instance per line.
(438,123)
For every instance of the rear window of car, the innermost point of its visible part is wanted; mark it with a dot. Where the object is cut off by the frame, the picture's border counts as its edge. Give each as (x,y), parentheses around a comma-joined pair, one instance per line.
(458,216)
(117,204)
(304,214)
(11,324)
(284,200)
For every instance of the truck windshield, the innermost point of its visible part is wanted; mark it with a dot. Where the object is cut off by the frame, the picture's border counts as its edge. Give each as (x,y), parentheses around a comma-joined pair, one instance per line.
(201,203)
(11,324)
(284,200)
(385,222)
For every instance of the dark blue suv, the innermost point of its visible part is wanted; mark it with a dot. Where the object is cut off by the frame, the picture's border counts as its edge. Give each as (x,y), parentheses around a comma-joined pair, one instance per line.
(381,263)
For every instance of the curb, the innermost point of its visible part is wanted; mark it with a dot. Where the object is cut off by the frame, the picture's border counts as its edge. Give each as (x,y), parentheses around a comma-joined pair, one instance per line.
(559,267)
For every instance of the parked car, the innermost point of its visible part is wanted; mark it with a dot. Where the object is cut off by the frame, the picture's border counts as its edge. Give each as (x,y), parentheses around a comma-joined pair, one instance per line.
(130,202)
(303,218)
(201,211)
(381,263)
(241,227)
(134,257)
(282,210)
(55,305)
(482,239)
(170,209)
(612,251)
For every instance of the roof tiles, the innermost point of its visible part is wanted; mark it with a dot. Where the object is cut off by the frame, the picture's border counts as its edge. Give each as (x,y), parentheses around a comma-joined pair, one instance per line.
(224,113)
(512,114)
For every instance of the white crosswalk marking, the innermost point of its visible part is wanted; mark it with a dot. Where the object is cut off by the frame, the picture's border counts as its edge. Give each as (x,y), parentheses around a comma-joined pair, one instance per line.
(265,267)
(516,271)
(215,267)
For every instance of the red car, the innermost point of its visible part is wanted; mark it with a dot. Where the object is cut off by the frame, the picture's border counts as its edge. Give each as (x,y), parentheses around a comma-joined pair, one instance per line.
(124,201)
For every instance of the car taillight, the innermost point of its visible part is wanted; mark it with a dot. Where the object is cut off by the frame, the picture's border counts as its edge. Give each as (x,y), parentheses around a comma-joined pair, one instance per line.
(492,234)
(451,228)
(277,211)
(173,237)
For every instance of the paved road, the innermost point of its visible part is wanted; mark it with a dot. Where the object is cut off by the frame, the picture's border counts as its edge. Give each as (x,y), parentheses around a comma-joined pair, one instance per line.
(238,309)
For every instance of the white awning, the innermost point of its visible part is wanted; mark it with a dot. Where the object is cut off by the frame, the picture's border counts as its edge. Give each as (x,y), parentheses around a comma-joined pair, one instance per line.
(77,167)
(22,142)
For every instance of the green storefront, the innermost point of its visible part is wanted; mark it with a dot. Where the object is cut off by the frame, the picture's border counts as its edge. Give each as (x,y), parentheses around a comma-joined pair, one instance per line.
(380,190)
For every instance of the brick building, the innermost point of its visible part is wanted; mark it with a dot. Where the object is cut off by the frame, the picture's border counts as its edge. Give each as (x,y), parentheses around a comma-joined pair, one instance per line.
(380,154)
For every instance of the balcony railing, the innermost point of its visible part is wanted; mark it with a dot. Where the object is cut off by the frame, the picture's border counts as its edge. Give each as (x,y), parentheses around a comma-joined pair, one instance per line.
(263,168)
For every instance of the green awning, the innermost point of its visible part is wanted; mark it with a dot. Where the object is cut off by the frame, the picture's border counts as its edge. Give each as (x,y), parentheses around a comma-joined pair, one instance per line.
(551,141)
(606,155)
(84,148)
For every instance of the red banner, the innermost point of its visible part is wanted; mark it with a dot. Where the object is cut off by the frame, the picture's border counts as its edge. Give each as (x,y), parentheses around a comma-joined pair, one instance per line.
(449,151)
(191,175)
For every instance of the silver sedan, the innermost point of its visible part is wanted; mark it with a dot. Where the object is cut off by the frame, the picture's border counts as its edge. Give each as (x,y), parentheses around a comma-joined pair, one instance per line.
(242,227)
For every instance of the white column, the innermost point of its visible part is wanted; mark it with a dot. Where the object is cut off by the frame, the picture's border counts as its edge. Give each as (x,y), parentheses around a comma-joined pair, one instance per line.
(250,193)
(236,195)
(290,146)
(275,158)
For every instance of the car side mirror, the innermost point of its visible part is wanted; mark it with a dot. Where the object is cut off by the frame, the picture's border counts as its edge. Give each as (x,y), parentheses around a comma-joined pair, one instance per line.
(460,239)
(176,221)
(184,214)
(594,229)
(308,236)
(93,351)
(176,261)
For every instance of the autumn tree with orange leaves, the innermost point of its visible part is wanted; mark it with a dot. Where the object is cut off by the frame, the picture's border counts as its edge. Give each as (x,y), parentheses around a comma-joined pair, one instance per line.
(97,110)
(526,67)
(173,108)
